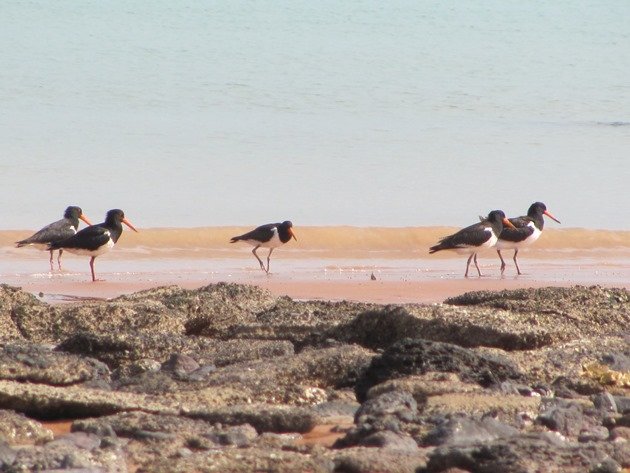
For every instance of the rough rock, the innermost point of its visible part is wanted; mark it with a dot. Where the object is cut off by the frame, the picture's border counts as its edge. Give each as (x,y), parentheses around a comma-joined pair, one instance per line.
(209,310)
(68,402)
(460,431)
(231,378)
(122,348)
(380,422)
(372,459)
(426,385)
(569,417)
(297,379)
(507,408)
(523,454)
(175,432)
(171,310)
(381,327)
(242,461)
(29,362)
(17,429)
(579,311)
(263,417)
(15,303)
(418,356)
(304,324)
(75,452)
(567,360)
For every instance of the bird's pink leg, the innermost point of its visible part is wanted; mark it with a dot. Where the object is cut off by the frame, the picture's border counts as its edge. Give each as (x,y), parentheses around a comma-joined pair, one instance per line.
(518,270)
(268,259)
(476,265)
(92,268)
(468,264)
(502,262)
(262,265)
(59,258)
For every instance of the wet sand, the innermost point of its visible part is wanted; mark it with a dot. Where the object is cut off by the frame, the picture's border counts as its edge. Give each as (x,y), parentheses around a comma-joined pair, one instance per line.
(326,263)
(424,280)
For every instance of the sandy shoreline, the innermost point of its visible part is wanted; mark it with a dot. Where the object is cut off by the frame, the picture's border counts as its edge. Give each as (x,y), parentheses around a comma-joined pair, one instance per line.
(397,281)
(382,292)
(326,263)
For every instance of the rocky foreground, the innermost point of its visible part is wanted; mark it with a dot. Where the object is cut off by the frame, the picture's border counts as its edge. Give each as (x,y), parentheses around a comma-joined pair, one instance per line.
(229,378)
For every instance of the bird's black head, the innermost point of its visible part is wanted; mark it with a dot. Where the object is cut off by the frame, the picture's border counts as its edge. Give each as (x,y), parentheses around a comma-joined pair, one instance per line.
(537,208)
(536,212)
(73,212)
(115,216)
(286,231)
(496,216)
(498,220)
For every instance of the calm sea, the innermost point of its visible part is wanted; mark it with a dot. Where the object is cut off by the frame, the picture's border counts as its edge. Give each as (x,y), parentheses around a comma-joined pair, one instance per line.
(366,113)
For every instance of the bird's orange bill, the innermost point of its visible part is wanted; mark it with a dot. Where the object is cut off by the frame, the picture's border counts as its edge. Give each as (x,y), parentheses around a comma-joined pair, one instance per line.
(551,216)
(507,223)
(128,223)
(292,234)
(85,219)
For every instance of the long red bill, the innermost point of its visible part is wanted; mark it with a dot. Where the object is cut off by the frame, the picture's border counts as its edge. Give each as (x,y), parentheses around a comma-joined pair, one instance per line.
(507,223)
(128,223)
(551,216)
(292,234)
(85,219)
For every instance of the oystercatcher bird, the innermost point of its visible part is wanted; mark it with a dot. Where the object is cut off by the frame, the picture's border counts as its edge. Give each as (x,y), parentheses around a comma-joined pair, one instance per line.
(475,237)
(528,229)
(271,235)
(56,231)
(96,239)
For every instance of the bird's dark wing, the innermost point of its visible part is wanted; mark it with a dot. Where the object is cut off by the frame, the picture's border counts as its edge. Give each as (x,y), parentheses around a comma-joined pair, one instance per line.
(262,234)
(474,235)
(520,222)
(522,231)
(89,238)
(516,235)
(56,231)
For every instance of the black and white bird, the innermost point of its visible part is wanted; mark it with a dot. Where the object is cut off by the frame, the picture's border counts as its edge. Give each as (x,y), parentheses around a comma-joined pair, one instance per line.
(96,239)
(271,235)
(56,231)
(470,240)
(528,229)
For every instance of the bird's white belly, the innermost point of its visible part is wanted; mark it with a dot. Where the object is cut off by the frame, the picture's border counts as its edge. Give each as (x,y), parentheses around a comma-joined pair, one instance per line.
(274,242)
(99,251)
(492,241)
(513,245)
(469,249)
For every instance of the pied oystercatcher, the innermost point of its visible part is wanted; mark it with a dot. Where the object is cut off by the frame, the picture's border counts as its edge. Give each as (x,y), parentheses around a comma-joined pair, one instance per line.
(96,239)
(475,237)
(271,235)
(528,229)
(56,231)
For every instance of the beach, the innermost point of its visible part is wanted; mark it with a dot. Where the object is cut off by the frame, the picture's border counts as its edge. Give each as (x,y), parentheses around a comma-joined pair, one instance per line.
(348,284)
(326,263)
(359,348)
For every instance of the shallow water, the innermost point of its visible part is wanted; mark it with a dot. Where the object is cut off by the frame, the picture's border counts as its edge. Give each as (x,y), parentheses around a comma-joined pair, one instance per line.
(333,242)
(333,254)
